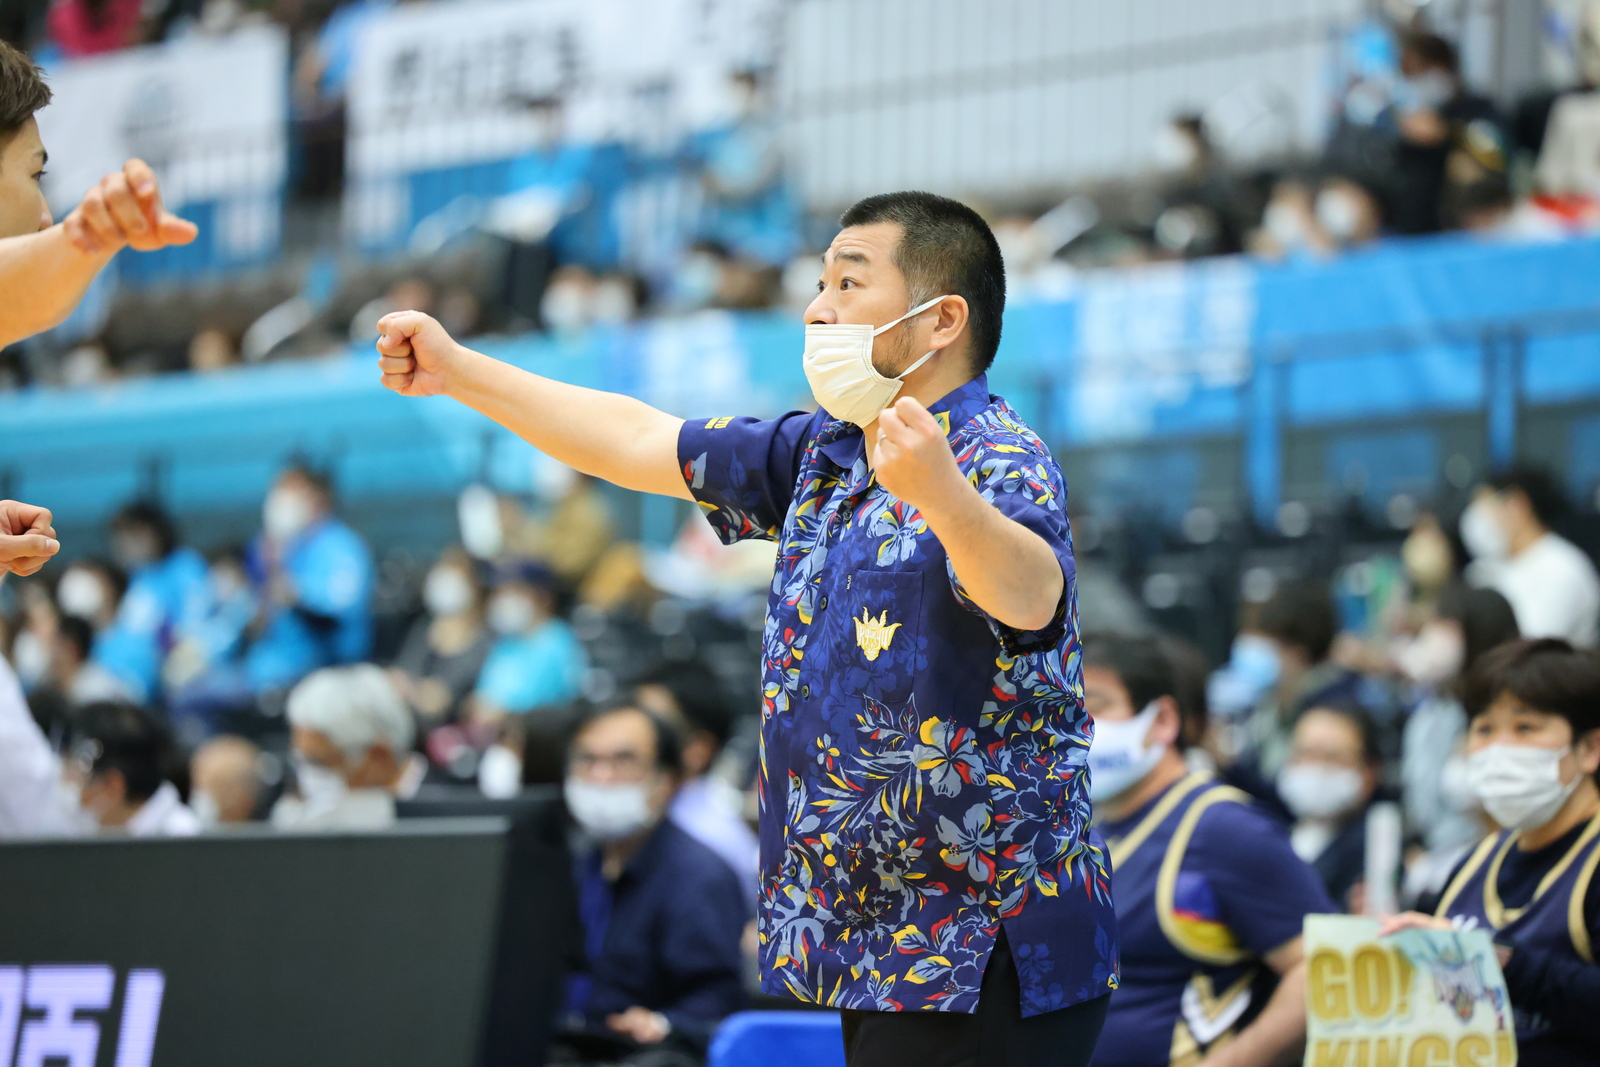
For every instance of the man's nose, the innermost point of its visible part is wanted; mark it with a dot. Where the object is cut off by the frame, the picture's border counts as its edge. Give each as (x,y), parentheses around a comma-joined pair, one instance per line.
(45,221)
(821,312)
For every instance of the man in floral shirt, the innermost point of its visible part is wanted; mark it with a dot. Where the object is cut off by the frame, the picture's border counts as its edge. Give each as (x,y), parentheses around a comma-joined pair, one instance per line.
(926,860)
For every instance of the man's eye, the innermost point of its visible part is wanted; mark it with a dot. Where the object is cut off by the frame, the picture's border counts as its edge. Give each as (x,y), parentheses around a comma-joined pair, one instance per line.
(40,176)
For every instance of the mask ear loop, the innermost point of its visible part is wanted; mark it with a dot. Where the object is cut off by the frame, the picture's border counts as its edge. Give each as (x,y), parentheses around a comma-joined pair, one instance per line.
(919,309)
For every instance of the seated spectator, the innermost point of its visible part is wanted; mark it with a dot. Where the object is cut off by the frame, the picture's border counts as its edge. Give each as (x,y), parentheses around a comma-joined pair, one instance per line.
(314,575)
(352,752)
(1533,750)
(444,651)
(536,661)
(166,588)
(91,590)
(1551,584)
(1467,623)
(226,786)
(74,675)
(1301,623)
(204,675)
(120,767)
(1328,784)
(1347,213)
(708,805)
(1446,134)
(1231,929)
(662,914)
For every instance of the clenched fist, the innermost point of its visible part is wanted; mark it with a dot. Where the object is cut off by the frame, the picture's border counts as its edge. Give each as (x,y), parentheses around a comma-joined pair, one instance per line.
(914,460)
(27,540)
(125,209)
(415,354)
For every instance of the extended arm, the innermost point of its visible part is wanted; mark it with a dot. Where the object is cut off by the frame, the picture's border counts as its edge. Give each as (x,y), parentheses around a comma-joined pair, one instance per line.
(43,275)
(1276,1034)
(610,436)
(1008,570)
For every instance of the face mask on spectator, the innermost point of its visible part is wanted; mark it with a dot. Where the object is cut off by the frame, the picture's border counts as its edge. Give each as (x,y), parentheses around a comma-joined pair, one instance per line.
(512,613)
(31,658)
(609,812)
(1428,91)
(1285,224)
(1319,790)
(204,806)
(81,594)
(1435,655)
(500,773)
(838,366)
(1482,531)
(1339,213)
(447,591)
(1119,758)
(285,513)
(320,787)
(478,512)
(1520,786)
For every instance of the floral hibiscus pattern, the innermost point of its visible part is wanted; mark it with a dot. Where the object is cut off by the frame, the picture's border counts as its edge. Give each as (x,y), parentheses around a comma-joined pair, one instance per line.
(911,801)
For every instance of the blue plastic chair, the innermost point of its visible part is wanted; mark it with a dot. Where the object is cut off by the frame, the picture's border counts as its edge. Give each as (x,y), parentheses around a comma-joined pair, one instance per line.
(778,1039)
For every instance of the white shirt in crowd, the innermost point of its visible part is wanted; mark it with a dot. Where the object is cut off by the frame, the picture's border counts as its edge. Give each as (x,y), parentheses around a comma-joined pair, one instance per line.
(163,815)
(1552,588)
(32,800)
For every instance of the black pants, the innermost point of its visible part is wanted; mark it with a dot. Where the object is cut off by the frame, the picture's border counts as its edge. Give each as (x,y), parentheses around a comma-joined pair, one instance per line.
(996,1035)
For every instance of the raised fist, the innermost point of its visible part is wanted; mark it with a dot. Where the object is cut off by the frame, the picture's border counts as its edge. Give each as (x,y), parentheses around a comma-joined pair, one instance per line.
(415,353)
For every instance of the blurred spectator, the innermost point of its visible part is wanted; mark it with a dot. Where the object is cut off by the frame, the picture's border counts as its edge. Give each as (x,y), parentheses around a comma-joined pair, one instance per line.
(204,673)
(352,752)
(1347,213)
(79,679)
(444,651)
(1240,882)
(1301,623)
(749,208)
(210,350)
(320,81)
(315,578)
(1551,584)
(1289,225)
(167,589)
(89,27)
(577,530)
(536,661)
(91,590)
(1438,806)
(33,648)
(1447,135)
(407,294)
(1204,209)
(226,782)
(708,806)
(1327,783)
(120,756)
(566,306)
(662,914)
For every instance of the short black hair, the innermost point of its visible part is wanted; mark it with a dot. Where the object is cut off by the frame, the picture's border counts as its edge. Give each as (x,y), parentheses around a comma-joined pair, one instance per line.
(153,517)
(1301,614)
(1546,674)
(945,249)
(1146,669)
(1485,617)
(1190,672)
(76,631)
(1359,717)
(1433,50)
(1544,496)
(697,691)
(126,738)
(22,91)
(669,745)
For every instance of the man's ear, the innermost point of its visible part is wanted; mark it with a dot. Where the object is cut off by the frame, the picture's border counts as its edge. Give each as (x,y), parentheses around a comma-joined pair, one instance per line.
(1587,751)
(1168,725)
(951,326)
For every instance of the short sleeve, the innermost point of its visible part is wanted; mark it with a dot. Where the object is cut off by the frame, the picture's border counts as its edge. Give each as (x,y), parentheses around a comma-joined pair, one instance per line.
(1263,890)
(1028,488)
(742,471)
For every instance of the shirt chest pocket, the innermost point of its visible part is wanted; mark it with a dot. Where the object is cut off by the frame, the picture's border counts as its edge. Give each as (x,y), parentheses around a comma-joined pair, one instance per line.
(876,633)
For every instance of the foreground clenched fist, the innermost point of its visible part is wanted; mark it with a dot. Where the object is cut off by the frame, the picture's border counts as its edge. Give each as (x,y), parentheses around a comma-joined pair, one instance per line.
(125,210)
(415,354)
(27,539)
(914,460)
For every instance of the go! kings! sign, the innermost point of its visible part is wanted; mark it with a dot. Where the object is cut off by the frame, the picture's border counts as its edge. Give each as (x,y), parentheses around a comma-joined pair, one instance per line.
(1421,998)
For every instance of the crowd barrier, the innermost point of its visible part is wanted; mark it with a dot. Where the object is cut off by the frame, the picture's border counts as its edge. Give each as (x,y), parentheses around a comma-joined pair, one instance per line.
(1223,382)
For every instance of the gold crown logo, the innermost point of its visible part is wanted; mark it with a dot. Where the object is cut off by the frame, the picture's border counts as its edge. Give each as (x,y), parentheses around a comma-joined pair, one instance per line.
(874,635)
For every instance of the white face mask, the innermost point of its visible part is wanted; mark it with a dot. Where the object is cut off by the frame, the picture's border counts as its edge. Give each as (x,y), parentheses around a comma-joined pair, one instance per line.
(1319,790)
(81,594)
(511,613)
(478,512)
(204,806)
(500,773)
(838,364)
(31,658)
(1520,785)
(609,812)
(447,591)
(1118,758)
(1339,213)
(1482,531)
(1435,655)
(286,513)
(320,787)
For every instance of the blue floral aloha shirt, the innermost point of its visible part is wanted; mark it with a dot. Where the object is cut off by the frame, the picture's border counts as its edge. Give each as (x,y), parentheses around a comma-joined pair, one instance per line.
(922,765)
